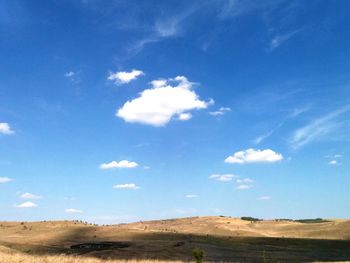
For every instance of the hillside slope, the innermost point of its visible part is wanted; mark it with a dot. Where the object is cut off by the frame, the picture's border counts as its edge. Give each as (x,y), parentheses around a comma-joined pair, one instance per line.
(221,238)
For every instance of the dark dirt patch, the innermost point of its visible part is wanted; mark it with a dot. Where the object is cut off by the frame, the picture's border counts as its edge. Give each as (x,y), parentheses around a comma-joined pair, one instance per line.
(100,245)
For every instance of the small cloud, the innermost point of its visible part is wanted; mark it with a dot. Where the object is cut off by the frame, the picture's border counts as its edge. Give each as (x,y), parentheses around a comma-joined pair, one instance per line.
(5,180)
(124,77)
(243,187)
(280,39)
(185,116)
(160,104)
(126,186)
(5,128)
(245,181)
(264,198)
(254,156)
(73,211)
(121,164)
(31,196)
(220,111)
(333,162)
(69,74)
(222,177)
(73,76)
(191,196)
(26,205)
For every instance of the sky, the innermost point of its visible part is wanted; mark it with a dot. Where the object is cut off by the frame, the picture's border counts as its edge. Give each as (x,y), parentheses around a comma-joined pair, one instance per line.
(118,111)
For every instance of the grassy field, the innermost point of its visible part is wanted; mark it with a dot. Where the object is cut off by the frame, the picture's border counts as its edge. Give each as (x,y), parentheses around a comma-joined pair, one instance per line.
(12,256)
(222,239)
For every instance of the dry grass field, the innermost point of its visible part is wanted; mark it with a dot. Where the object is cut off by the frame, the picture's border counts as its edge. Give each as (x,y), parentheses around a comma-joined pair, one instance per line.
(11,256)
(222,239)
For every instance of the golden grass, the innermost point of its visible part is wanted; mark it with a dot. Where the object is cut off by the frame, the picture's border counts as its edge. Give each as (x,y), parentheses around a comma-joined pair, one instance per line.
(16,257)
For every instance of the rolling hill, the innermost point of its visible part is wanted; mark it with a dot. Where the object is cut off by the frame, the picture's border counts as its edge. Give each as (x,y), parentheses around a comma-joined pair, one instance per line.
(221,239)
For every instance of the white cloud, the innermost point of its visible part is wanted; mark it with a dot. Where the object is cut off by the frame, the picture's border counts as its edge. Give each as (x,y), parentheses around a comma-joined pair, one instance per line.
(69,74)
(191,196)
(281,38)
(262,137)
(164,27)
(264,198)
(5,128)
(254,156)
(31,196)
(126,186)
(124,77)
(333,162)
(245,181)
(167,28)
(220,111)
(73,76)
(185,116)
(318,128)
(73,211)
(158,105)
(243,187)
(295,113)
(121,164)
(5,180)
(26,205)
(222,177)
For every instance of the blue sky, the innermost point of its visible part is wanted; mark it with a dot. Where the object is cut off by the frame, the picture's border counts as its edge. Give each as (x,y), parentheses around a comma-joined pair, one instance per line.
(117,111)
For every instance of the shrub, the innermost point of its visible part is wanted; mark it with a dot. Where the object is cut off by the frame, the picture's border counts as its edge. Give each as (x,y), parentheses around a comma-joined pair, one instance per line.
(316,220)
(249,218)
(198,254)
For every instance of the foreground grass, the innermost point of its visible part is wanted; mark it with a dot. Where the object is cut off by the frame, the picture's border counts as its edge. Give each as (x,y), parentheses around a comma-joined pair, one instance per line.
(23,258)
(12,256)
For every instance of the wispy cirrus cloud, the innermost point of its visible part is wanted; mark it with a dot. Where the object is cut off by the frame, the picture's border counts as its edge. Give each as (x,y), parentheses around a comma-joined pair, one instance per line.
(320,128)
(295,113)
(280,39)
(164,27)
(229,9)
